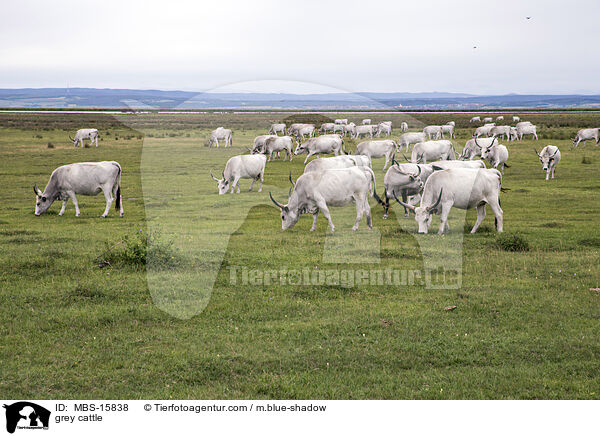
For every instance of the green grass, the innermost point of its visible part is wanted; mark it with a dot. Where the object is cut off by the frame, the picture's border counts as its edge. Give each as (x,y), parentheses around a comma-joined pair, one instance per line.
(526,323)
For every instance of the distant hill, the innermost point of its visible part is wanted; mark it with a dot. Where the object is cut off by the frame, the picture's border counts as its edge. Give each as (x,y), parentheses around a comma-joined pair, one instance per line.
(132,98)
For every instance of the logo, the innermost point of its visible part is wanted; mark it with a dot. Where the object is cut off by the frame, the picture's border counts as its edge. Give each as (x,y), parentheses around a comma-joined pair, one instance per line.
(26,415)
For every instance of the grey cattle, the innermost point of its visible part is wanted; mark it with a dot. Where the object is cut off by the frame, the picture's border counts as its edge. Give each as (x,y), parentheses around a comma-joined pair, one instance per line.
(497,155)
(384,128)
(428,151)
(85,178)
(449,129)
(245,166)
(364,130)
(411,138)
(327,127)
(435,131)
(483,131)
(321,144)
(339,128)
(475,119)
(316,191)
(277,144)
(342,161)
(403,126)
(500,118)
(405,180)
(549,157)
(451,123)
(259,143)
(350,129)
(366,121)
(276,128)
(81,134)
(527,129)
(463,188)
(220,133)
(502,131)
(378,148)
(586,135)
(516,119)
(341,121)
(488,119)
(473,147)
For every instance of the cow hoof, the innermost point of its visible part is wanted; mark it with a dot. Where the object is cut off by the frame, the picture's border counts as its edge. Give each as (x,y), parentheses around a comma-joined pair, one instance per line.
(102,216)
(385,217)
(406,215)
(260,190)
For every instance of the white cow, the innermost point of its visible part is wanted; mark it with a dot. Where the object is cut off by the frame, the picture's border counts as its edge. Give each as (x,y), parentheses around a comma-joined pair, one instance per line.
(315,192)
(483,131)
(549,157)
(586,135)
(447,164)
(364,130)
(432,151)
(403,126)
(502,131)
(276,128)
(306,130)
(366,121)
(381,148)
(411,138)
(449,129)
(339,128)
(321,144)
(326,127)
(497,155)
(91,134)
(463,188)
(451,123)
(384,128)
(341,121)
(516,119)
(475,119)
(343,161)
(523,123)
(277,144)
(500,118)
(473,147)
(85,178)
(435,131)
(350,129)
(513,134)
(245,166)
(406,180)
(259,143)
(488,120)
(528,129)
(220,133)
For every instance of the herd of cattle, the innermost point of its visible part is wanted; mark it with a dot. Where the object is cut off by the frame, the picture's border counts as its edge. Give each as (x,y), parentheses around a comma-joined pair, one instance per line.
(434,179)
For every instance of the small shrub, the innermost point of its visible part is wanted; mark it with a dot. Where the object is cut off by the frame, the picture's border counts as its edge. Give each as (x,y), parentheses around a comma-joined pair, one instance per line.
(511,242)
(39,136)
(50,145)
(590,242)
(586,160)
(140,250)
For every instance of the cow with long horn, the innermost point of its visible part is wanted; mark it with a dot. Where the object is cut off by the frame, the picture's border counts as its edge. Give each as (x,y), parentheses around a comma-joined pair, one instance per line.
(549,157)
(463,188)
(405,180)
(315,192)
(245,166)
(91,134)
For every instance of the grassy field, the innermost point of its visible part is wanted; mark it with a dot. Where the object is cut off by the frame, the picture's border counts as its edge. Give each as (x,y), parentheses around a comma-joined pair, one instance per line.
(526,324)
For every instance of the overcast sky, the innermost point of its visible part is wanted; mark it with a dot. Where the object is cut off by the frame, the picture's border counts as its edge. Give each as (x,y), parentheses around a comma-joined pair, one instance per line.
(304,46)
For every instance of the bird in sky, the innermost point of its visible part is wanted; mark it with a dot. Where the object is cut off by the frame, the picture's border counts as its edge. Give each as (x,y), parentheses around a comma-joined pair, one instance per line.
(529,18)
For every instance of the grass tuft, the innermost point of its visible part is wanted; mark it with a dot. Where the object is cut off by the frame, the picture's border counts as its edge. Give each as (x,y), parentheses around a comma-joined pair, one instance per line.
(586,160)
(511,242)
(50,145)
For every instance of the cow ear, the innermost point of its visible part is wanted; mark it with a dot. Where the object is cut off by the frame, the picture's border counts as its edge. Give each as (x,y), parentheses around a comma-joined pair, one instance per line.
(286,209)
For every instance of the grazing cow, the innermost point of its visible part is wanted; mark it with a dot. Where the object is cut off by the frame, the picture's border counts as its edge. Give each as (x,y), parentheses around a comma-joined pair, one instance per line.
(321,144)
(403,126)
(291,130)
(435,131)
(380,148)
(350,129)
(85,178)
(341,121)
(81,134)
(366,121)
(483,131)
(516,119)
(277,144)
(586,135)
(411,138)
(549,157)
(245,166)
(497,155)
(405,179)
(365,130)
(503,131)
(306,130)
(342,161)
(527,129)
(259,143)
(384,128)
(220,133)
(315,192)
(500,118)
(513,134)
(432,151)
(339,128)
(488,120)
(449,129)
(473,147)
(451,123)
(463,188)
(276,128)
(475,119)
(523,123)
(326,127)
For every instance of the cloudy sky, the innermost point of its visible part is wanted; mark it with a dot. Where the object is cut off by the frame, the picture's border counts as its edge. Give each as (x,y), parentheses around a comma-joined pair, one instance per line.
(303,46)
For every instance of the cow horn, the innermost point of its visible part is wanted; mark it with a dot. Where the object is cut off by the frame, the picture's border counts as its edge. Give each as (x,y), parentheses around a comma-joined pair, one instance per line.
(420,157)
(248,149)
(406,205)
(404,156)
(555,152)
(289,194)
(72,140)
(536,151)
(476,143)
(292,182)
(395,162)
(213,177)
(278,204)
(37,190)
(430,208)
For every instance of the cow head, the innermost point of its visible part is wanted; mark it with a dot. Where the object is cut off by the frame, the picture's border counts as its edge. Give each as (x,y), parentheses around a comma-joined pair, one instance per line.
(74,141)
(546,158)
(42,202)
(222,184)
(423,214)
(300,148)
(289,216)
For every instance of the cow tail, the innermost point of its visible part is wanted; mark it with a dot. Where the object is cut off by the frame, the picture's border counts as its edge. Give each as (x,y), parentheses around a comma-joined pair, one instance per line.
(344,147)
(118,203)
(372,174)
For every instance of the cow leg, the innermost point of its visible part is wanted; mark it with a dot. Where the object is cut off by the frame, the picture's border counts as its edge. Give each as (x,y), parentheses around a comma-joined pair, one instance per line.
(314,225)
(236,182)
(444,220)
(323,207)
(386,206)
(96,140)
(480,217)
(119,199)
(307,157)
(359,210)
(109,199)
(64,206)
(262,178)
(387,161)
(495,206)
(74,198)
(367,210)
(253,181)
(404,200)
(548,173)
(553,172)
